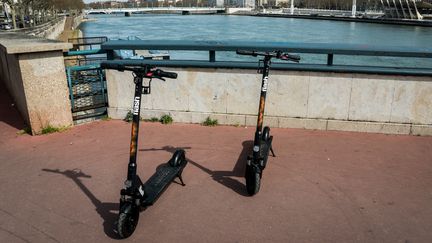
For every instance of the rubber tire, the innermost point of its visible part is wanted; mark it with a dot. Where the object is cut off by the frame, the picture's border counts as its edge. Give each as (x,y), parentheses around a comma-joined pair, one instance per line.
(253,181)
(266,134)
(178,158)
(128,220)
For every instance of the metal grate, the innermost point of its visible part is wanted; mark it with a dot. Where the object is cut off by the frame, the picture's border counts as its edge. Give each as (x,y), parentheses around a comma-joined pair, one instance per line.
(87,90)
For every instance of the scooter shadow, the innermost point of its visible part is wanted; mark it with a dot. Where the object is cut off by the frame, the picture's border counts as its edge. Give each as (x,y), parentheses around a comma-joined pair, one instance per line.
(107,211)
(225,178)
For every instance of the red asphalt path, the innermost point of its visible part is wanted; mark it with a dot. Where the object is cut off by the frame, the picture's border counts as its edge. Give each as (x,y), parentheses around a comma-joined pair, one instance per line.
(321,187)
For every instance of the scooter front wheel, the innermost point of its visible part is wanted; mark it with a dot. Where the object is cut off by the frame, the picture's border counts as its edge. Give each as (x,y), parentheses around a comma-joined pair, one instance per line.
(128,220)
(266,134)
(253,180)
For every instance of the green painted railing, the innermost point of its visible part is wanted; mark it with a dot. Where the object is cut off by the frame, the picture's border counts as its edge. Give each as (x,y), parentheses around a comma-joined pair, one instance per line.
(330,50)
(316,48)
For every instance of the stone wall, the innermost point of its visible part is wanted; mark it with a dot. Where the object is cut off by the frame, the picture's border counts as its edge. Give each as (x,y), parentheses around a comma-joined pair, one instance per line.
(55,30)
(77,21)
(311,100)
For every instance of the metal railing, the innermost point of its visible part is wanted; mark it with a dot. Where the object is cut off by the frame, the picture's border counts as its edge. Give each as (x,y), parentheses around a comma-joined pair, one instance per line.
(86,80)
(87,42)
(87,90)
(405,54)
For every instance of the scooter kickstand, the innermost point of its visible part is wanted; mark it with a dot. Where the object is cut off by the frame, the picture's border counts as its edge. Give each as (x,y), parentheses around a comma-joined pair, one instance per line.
(181,179)
(271,150)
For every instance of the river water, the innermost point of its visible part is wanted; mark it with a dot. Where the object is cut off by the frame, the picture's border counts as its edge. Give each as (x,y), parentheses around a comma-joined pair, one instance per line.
(267,29)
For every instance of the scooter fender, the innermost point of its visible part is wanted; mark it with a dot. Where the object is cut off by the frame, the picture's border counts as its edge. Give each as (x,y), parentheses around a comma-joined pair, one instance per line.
(128,210)
(255,167)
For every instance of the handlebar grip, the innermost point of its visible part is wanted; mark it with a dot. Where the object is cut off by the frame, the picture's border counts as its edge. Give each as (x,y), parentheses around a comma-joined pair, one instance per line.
(294,57)
(164,74)
(290,57)
(247,53)
(115,66)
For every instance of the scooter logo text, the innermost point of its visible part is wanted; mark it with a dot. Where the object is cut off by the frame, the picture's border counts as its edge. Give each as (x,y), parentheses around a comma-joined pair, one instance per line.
(265,85)
(136,105)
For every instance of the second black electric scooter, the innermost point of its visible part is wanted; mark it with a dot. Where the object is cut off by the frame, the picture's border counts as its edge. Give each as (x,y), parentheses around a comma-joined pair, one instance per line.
(137,195)
(263,140)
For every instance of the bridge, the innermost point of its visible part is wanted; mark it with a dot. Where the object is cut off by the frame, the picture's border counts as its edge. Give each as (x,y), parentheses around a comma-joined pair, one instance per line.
(175,10)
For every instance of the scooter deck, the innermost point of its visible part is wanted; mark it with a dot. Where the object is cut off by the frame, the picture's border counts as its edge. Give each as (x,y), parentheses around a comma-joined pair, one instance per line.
(159,181)
(265,149)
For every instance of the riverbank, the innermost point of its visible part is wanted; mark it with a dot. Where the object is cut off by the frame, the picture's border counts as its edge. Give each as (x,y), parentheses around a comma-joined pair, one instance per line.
(69,31)
(71,28)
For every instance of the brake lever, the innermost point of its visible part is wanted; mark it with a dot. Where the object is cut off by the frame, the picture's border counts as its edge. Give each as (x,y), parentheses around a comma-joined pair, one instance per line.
(160,78)
(287,58)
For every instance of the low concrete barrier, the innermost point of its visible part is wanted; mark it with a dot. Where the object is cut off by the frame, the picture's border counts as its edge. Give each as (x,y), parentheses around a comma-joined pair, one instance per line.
(54,31)
(50,30)
(310,100)
(34,73)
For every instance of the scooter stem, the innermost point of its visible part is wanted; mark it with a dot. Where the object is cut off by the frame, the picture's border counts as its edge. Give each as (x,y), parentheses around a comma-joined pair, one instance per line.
(260,121)
(136,111)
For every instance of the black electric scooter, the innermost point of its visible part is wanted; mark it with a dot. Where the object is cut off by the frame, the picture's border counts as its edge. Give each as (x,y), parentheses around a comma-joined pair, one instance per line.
(263,141)
(137,195)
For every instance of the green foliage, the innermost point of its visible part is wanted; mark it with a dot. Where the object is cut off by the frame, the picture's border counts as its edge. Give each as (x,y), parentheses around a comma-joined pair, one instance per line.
(166,119)
(106,118)
(153,119)
(50,129)
(128,117)
(210,122)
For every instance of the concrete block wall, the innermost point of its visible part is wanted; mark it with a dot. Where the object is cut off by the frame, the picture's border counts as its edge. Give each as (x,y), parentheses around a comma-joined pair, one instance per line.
(46,91)
(33,71)
(310,100)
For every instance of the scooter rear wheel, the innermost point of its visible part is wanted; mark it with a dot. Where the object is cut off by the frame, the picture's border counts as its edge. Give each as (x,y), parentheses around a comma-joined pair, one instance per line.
(178,158)
(128,220)
(253,180)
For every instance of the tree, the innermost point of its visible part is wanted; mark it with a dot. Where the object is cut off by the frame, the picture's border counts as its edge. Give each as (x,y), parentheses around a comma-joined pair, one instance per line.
(40,10)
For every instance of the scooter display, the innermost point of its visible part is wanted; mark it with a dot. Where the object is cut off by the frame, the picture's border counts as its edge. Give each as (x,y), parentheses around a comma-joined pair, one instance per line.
(137,195)
(263,140)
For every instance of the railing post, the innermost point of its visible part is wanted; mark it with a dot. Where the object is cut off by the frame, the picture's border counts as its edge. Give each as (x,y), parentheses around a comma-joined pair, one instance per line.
(330,59)
(69,79)
(212,56)
(110,54)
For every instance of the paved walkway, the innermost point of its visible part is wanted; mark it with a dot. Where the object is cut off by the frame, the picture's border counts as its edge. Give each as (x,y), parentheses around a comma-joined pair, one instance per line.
(321,187)
(68,32)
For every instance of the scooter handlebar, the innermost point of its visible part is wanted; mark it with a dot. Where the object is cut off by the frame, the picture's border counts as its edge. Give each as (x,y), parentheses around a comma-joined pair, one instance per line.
(246,53)
(273,54)
(115,66)
(290,57)
(152,73)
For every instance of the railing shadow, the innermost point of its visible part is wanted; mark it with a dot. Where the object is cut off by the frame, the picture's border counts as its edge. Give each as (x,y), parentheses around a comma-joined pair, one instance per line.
(223,177)
(105,210)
